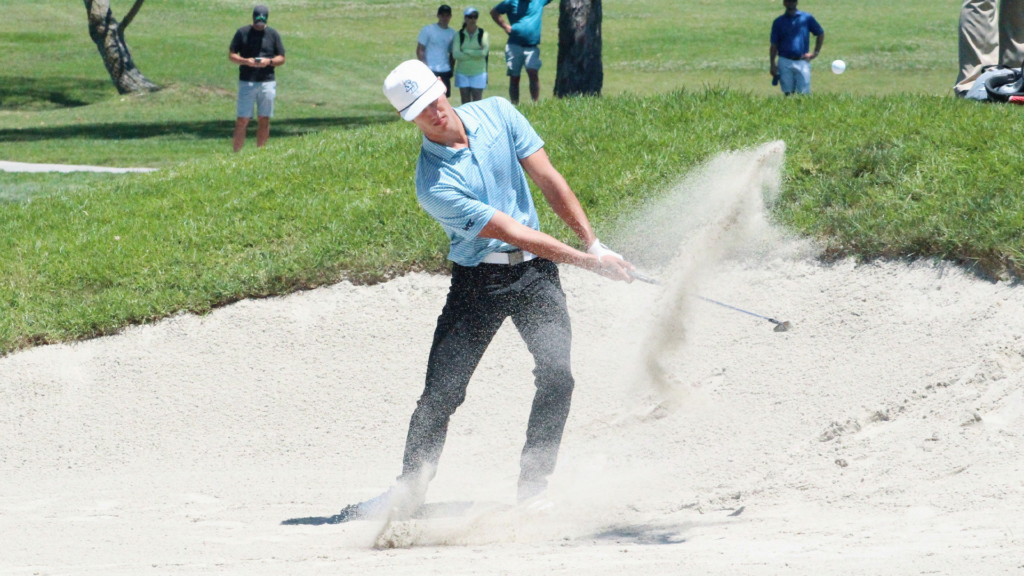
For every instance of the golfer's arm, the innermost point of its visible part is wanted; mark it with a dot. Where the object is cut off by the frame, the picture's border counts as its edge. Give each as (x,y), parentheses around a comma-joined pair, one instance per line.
(503,227)
(236,58)
(277,60)
(421,53)
(819,40)
(773,53)
(558,194)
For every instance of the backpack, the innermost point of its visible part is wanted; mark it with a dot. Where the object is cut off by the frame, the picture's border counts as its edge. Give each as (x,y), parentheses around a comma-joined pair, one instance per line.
(1001,84)
(479,41)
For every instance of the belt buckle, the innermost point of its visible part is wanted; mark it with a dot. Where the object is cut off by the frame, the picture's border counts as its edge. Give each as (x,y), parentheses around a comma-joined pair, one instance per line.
(515,257)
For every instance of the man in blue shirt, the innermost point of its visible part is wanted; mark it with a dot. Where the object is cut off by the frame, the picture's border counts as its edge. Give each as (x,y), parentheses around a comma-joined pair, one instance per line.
(523,46)
(471,177)
(791,43)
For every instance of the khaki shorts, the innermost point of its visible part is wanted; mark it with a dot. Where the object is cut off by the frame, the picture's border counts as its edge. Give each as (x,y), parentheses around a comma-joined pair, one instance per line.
(258,94)
(517,56)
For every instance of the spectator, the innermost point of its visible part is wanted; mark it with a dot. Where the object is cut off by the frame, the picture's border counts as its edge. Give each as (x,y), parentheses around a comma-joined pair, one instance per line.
(790,43)
(470,49)
(435,44)
(257,49)
(988,38)
(522,48)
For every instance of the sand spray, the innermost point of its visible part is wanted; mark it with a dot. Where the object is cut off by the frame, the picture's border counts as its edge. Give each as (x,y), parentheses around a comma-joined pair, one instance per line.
(717,212)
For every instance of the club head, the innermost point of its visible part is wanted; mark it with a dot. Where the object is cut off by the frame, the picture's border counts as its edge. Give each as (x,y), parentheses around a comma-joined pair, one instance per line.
(783,326)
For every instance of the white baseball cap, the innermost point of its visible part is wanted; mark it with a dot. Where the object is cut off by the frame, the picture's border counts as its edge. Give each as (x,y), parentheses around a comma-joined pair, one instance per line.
(411,87)
(469,11)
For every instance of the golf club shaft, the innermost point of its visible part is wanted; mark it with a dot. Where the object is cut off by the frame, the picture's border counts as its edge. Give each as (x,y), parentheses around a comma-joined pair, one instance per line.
(772,320)
(644,278)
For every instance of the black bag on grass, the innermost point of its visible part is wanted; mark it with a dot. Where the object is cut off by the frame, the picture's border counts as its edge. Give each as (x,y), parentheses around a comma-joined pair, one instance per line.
(1001,84)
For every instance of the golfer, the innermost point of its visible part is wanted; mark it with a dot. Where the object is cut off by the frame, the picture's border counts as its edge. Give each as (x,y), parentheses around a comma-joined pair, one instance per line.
(471,178)
(434,46)
(791,42)
(257,49)
(523,46)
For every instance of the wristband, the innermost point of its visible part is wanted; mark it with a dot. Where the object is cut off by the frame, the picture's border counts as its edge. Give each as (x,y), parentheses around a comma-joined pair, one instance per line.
(600,250)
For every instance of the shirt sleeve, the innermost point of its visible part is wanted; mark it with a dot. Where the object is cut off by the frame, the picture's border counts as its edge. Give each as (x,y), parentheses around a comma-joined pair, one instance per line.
(775,33)
(459,213)
(524,137)
(814,27)
(236,43)
(503,7)
(424,37)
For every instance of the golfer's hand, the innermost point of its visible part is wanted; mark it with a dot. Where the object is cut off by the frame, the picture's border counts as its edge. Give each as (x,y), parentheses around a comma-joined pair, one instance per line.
(774,70)
(809,56)
(614,268)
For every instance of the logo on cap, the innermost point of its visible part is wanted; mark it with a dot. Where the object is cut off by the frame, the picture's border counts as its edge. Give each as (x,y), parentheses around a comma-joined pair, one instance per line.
(410,86)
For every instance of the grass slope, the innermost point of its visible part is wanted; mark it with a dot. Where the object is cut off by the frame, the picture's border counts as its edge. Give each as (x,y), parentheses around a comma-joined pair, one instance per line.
(58,105)
(868,175)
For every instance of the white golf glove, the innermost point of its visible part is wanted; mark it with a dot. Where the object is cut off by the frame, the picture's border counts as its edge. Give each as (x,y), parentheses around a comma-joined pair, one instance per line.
(600,250)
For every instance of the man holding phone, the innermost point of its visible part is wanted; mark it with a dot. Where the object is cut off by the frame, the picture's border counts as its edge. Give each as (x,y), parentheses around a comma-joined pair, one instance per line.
(257,49)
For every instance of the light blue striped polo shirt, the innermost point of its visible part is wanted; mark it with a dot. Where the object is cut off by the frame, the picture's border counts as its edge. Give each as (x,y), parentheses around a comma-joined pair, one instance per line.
(462,189)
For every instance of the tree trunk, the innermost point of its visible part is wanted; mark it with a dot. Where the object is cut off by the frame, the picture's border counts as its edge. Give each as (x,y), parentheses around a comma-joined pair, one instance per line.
(580,71)
(109,38)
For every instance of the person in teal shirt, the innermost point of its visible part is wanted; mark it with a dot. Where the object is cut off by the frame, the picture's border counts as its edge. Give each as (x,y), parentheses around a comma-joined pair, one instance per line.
(523,46)
(470,48)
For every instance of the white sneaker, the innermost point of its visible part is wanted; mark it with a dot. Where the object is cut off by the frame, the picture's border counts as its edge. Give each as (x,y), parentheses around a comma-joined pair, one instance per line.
(540,506)
(530,490)
(398,503)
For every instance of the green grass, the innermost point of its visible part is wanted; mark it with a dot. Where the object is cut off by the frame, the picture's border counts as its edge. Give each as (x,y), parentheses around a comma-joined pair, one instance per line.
(889,176)
(881,162)
(58,105)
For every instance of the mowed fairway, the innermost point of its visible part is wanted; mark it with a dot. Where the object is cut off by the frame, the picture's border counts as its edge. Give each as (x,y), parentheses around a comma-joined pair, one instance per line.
(59,106)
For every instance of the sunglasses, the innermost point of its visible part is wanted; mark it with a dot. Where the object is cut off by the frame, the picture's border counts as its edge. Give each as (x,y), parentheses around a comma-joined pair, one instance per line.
(472,17)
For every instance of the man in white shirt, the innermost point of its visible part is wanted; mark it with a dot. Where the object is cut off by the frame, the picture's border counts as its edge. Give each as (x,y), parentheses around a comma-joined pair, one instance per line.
(434,47)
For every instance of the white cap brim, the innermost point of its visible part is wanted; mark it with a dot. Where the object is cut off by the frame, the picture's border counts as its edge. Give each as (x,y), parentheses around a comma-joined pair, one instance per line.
(426,99)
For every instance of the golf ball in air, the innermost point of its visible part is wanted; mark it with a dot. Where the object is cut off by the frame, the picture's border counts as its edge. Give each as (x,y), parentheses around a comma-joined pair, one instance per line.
(839,66)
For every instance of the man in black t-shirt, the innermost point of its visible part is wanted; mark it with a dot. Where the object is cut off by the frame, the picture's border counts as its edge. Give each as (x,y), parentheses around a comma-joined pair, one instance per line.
(257,49)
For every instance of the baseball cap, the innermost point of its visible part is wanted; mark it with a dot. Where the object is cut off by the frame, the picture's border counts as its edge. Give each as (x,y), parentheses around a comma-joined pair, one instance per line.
(260,12)
(444,9)
(411,87)
(469,11)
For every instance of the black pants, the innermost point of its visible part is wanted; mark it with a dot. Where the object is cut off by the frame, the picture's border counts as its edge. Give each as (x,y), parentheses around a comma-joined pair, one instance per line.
(446,79)
(479,300)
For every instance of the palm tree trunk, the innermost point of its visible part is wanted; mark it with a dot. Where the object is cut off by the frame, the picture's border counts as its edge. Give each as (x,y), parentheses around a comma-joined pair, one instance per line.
(580,71)
(109,38)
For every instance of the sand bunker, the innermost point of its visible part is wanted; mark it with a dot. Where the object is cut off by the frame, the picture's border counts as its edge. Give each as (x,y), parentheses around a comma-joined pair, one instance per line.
(881,436)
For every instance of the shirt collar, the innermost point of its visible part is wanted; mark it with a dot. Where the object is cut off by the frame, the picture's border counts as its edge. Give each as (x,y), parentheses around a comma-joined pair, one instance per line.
(445,153)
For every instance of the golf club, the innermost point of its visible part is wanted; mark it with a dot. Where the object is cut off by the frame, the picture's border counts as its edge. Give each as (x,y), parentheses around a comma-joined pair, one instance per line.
(780,325)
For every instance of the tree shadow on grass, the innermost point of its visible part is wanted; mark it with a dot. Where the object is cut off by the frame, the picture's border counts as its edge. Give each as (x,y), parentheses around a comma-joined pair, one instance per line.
(207,129)
(23,93)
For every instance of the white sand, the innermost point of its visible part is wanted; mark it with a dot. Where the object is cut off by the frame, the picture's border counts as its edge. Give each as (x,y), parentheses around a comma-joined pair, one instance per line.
(8,166)
(881,436)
